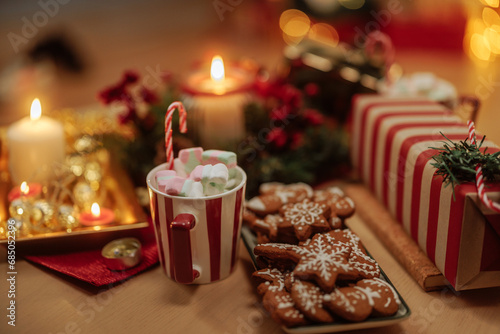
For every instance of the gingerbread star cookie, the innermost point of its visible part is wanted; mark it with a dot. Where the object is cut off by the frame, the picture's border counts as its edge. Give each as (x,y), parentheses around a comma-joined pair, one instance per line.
(323,258)
(362,264)
(304,218)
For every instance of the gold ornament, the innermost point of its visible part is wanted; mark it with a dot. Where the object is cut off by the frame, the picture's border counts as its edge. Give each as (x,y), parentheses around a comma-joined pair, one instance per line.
(3,229)
(61,185)
(20,209)
(85,144)
(84,195)
(42,216)
(93,174)
(76,164)
(23,228)
(66,217)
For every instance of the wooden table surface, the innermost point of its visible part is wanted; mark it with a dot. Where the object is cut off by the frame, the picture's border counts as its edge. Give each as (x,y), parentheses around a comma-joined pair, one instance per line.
(172,35)
(47,302)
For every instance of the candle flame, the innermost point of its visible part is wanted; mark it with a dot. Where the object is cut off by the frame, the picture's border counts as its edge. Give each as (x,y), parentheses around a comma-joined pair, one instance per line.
(24,188)
(96,210)
(36,110)
(217,69)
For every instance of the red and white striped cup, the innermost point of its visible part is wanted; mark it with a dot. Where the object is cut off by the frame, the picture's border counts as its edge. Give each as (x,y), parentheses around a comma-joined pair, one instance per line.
(197,238)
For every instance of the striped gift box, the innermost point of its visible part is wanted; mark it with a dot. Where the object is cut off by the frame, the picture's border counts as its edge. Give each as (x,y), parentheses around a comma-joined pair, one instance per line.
(390,150)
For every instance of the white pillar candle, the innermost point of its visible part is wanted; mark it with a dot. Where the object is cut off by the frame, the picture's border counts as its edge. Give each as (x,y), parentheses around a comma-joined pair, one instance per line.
(217,99)
(35,143)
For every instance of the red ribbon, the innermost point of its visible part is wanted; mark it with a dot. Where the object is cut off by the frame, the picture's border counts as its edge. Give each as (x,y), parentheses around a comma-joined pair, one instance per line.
(479,175)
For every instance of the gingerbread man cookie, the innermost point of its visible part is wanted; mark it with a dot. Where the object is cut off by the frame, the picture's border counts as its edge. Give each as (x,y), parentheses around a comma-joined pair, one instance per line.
(268,226)
(283,309)
(275,195)
(308,299)
(341,205)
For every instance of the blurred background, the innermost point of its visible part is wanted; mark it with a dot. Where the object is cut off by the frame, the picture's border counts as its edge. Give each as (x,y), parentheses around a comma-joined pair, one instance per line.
(65,51)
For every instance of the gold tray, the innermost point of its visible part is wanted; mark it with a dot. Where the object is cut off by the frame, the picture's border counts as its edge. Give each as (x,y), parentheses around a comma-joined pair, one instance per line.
(120,197)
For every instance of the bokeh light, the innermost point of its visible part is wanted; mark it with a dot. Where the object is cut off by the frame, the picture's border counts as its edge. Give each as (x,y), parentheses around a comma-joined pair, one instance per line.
(324,33)
(480,47)
(482,37)
(352,4)
(492,35)
(492,3)
(295,25)
(490,17)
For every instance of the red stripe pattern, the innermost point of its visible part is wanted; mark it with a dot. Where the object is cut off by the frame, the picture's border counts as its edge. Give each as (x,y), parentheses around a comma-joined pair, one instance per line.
(168,129)
(479,174)
(212,237)
(236,226)
(213,209)
(390,149)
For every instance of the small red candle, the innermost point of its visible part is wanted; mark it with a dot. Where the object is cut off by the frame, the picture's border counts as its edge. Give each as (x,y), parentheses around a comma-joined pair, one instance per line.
(25,190)
(96,216)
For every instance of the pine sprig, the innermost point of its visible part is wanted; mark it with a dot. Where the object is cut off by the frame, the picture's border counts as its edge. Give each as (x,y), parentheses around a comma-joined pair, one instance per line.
(456,162)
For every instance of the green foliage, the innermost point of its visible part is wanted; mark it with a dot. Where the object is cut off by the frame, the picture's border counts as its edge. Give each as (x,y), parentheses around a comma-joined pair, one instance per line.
(456,162)
(322,153)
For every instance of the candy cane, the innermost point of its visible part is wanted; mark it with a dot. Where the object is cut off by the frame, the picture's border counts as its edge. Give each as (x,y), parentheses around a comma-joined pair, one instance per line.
(378,37)
(168,129)
(479,175)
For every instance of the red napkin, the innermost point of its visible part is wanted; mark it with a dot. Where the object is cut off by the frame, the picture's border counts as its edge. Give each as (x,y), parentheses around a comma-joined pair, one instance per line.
(89,266)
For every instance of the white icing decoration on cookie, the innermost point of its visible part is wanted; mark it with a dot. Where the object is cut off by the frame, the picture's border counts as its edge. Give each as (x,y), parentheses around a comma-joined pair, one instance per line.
(284,195)
(270,186)
(323,257)
(305,186)
(336,191)
(304,213)
(256,204)
(308,300)
(343,300)
(280,245)
(369,266)
(383,284)
(370,294)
